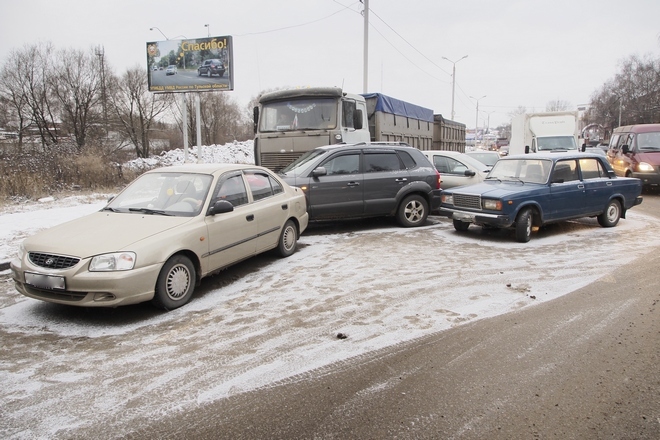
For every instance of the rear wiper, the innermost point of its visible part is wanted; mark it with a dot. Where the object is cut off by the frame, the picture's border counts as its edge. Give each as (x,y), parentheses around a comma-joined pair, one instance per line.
(149,211)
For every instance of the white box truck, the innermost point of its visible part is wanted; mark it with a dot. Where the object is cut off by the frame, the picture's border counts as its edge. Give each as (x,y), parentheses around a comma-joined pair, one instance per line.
(549,131)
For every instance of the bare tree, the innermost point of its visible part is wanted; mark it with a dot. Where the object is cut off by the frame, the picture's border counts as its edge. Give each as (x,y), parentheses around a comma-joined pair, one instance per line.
(557,105)
(16,111)
(32,76)
(631,97)
(136,108)
(77,86)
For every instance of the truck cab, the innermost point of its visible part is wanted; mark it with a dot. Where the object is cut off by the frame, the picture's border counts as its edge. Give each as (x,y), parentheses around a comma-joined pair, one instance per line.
(288,123)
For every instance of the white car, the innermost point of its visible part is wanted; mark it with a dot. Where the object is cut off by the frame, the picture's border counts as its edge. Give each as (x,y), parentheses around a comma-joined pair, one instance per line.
(171,70)
(161,235)
(457,169)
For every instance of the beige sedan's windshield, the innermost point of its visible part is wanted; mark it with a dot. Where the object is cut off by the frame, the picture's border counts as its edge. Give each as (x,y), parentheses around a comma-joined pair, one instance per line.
(181,194)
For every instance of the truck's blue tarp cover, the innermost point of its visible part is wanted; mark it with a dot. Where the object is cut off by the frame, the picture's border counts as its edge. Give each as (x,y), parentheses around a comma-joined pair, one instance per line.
(395,106)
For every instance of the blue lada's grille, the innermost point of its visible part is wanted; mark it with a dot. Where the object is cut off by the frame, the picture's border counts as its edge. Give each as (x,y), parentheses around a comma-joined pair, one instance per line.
(467,201)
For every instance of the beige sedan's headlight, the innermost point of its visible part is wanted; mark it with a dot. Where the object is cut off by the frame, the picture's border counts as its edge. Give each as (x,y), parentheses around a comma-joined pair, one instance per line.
(112,262)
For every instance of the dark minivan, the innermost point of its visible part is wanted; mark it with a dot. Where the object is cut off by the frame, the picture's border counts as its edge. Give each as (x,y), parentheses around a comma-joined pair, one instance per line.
(634,151)
(362,180)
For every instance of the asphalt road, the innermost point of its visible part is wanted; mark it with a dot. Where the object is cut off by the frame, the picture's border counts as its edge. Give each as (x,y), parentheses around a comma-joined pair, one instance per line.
(584,366)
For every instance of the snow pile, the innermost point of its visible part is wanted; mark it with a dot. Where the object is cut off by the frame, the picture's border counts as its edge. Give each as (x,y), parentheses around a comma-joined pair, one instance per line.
(235,152)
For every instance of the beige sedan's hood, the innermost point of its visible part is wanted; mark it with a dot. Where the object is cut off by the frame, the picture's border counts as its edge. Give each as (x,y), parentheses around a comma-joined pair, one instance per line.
(101,232)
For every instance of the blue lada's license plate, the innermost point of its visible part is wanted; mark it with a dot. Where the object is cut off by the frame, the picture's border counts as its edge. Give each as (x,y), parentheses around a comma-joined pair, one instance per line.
(45,281)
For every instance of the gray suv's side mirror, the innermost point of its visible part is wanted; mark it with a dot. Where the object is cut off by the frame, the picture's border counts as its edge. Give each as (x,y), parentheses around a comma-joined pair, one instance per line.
(319,171)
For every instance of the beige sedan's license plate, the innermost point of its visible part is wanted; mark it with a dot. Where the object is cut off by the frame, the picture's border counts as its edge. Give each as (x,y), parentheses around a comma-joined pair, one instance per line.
(45,281)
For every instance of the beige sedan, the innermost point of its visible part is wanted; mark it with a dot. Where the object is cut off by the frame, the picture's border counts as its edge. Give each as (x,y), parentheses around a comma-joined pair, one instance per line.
(161,235)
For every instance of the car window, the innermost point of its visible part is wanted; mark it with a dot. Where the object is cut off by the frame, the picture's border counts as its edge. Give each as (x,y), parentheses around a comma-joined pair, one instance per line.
(378,162)
(343,164)
(260,185)
(592,169)
(231,189)
(614,141)
(407,160)
(440,163)
(648,141)
(566,171)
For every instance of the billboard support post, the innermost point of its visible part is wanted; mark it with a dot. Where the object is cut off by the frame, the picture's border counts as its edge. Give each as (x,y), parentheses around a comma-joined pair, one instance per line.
(184,124)
(198,120)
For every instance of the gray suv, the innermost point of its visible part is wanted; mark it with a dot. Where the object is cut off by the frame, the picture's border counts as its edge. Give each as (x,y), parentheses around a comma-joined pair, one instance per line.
(347,181)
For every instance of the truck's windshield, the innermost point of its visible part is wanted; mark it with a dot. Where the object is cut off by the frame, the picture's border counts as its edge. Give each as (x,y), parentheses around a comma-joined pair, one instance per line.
(556,143)
(300,114)
(648,141)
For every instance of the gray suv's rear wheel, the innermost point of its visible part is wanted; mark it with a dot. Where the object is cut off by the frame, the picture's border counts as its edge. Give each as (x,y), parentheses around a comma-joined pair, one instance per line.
(412,211)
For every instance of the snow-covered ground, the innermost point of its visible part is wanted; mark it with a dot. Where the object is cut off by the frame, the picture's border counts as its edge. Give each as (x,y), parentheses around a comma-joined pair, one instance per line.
(272,319)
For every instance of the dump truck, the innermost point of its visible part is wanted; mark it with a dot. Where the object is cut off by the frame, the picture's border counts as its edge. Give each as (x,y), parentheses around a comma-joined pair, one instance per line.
(288,123)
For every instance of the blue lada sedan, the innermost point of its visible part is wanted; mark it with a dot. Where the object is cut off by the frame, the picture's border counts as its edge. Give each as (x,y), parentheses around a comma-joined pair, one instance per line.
(528,191)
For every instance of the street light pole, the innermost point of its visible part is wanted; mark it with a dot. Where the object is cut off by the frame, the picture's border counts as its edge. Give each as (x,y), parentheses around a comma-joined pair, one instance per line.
(476,120)
(453,82)
(161,32)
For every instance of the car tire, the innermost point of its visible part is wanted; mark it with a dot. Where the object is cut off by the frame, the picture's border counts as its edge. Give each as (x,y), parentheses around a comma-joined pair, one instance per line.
(288,241)
(412,211)
(175,284)
(208,73)
(461,226)
(524,225)
(610,217)
(199,73)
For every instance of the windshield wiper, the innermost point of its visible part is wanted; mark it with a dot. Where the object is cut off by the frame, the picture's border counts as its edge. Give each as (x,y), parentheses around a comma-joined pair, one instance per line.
(107,208)
(149,211)
(493,177)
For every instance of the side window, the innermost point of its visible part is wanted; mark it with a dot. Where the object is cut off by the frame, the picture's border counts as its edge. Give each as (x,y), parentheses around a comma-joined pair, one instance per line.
(591,169)
(343,164)
(440,163)
(377,162)
(566,171)
(259,185)
(276,185)
(407,160)
(231,189)
(614,141)
(348,110)
(456,167)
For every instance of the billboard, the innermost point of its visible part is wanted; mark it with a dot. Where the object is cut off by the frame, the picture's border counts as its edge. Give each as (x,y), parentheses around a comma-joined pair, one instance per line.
(195,65)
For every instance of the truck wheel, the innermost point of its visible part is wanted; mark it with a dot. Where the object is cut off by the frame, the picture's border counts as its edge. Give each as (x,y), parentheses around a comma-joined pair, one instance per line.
(524,226)
(412,211)
(288,239)
(610,217)
(175,284)
(461,226)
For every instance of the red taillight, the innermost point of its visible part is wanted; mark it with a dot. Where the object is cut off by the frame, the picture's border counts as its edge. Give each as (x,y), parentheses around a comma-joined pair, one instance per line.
(439,180)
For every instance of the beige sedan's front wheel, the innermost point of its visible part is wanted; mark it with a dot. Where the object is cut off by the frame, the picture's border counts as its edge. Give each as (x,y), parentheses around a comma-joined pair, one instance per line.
(176,283)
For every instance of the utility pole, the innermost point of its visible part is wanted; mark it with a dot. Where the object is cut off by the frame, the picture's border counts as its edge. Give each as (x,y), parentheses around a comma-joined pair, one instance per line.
(100,52)
(453,82)
(365,79)
(476,120)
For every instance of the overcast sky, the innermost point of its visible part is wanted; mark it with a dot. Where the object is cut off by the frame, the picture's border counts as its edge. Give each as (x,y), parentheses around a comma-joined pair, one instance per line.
(520,53)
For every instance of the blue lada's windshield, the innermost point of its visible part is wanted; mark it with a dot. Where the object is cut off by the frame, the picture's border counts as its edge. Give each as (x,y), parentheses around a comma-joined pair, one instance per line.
(524,170)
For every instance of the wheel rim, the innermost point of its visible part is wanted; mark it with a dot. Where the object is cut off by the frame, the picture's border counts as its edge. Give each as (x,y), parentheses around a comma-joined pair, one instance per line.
(612,212)
(178,281)
(414,211)
(289,238)
(528,227)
